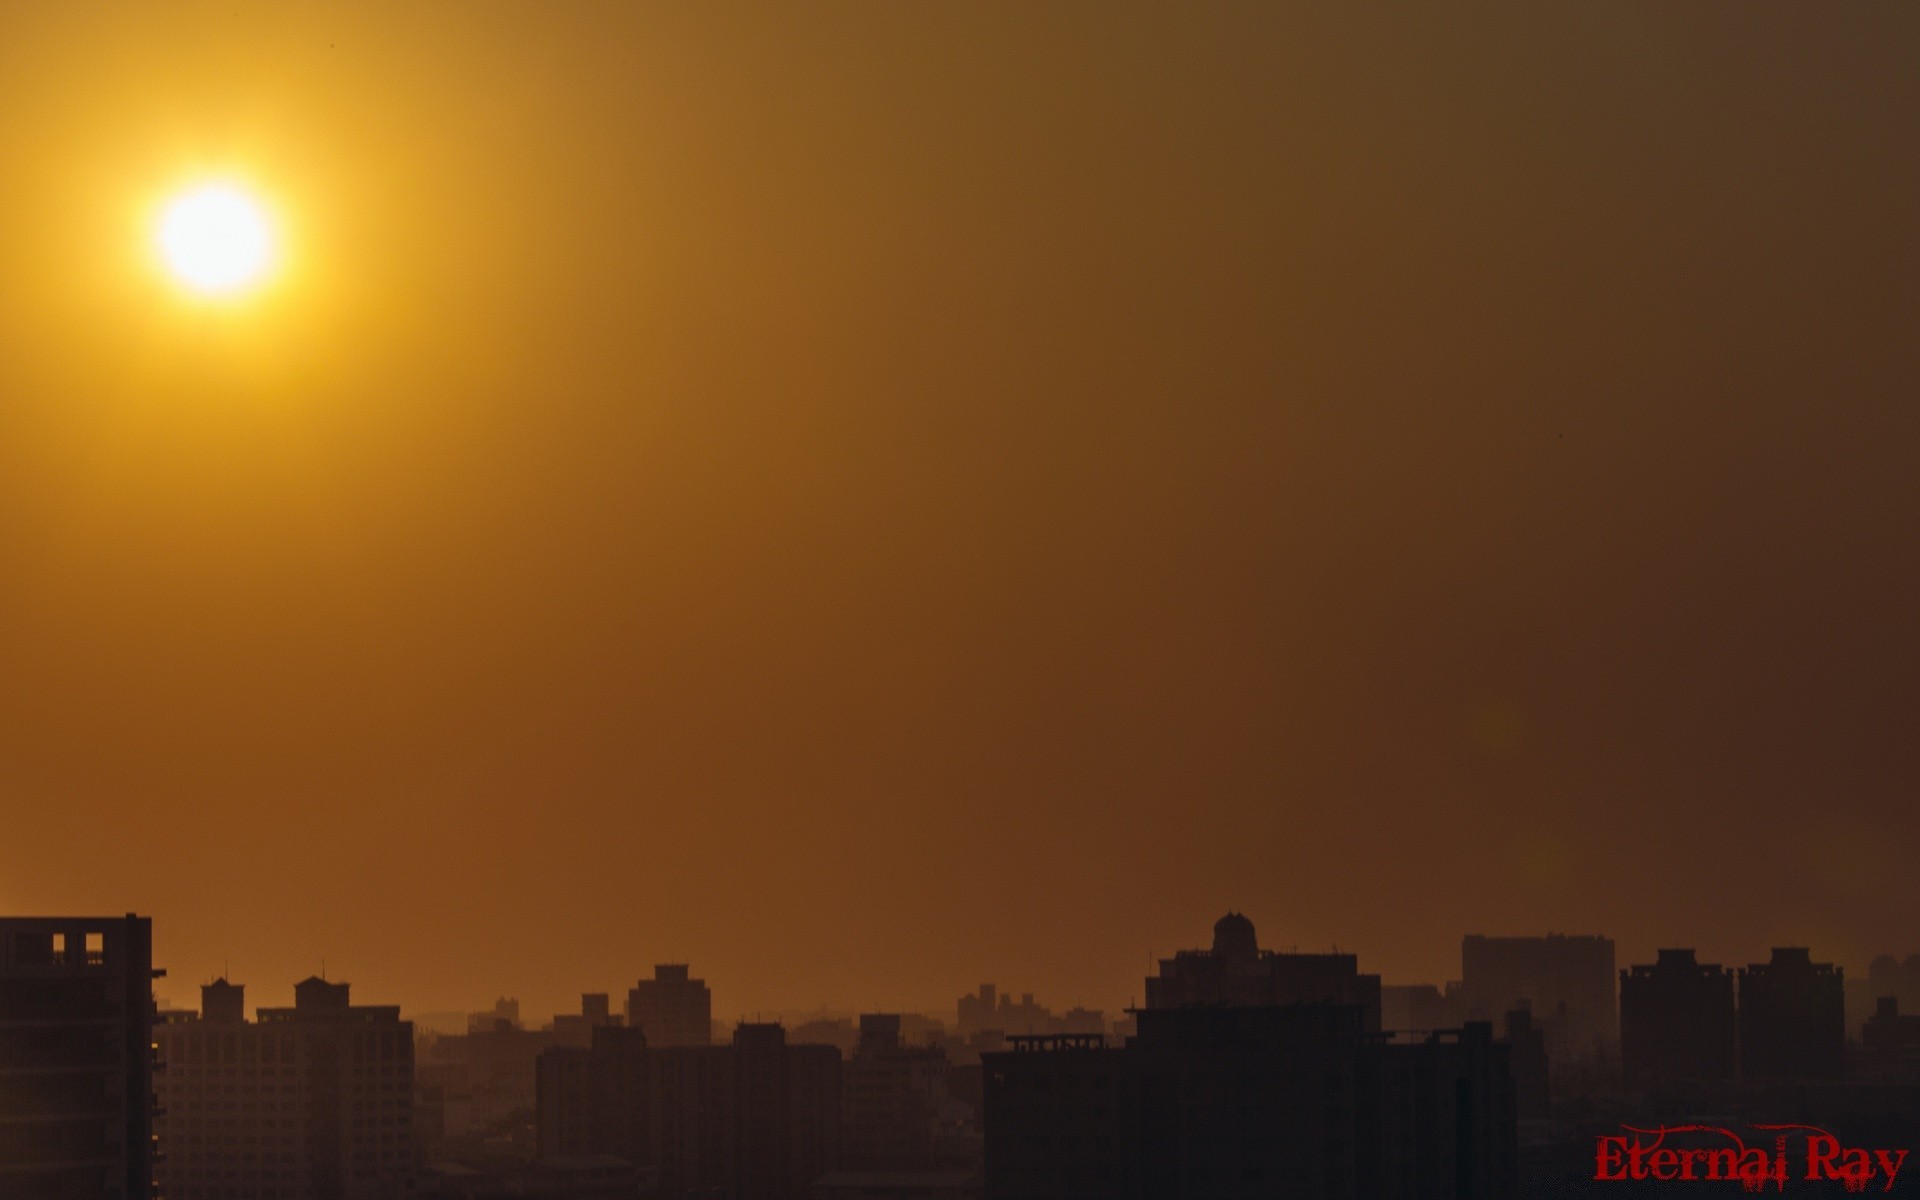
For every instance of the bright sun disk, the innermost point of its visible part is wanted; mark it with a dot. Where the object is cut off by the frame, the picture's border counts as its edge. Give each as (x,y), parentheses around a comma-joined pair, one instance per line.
(216,239)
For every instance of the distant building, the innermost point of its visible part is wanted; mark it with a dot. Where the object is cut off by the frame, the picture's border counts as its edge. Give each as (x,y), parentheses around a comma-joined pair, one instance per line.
(313,1102)
(1299,1101)
(977,1012)
(1890,1037)
(992,1011)
(1237,973)
(1419,1007)
(1532,1071)
(76,1058)
(897,1109)
(576,1029)
(837,1032)
(755,1120)
(1793,1022)
(505,1014)
(1677,1020)
(472,1085)
(671,1009)
(1885,976)
(1566,982)
(1900,978)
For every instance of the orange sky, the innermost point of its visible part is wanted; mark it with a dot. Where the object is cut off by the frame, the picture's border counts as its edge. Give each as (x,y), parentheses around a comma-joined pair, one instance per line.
(876,498)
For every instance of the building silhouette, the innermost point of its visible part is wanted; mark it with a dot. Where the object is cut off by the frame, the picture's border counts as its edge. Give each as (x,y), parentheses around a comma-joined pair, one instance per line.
(1532,1072)
(1793,1022)
(505,1013)
(576,1029)
(1215,1101)
(1677,1020)
(1898,977)
(1419,1007)
(992,1011)
(895,1101)
(1566,982)
(1236,972)
(757,1119)
(76,1058)
(672,1009)
(1891,1038)
(313,1102)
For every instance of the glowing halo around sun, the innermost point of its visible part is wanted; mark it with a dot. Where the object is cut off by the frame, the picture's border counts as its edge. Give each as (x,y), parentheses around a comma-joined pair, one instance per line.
(216,239)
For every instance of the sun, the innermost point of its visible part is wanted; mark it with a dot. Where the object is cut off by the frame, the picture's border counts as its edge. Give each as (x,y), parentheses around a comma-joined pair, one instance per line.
(216,239)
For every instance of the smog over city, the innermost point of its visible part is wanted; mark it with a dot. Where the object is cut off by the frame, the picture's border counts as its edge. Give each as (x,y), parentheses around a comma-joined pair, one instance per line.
(1028,599)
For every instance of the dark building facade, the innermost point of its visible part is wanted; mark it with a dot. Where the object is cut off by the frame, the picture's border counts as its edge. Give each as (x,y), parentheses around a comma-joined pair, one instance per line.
(672,1008)
(1566,982)
(758,1119)
(1532,1071)
(1891,1038)
(474,1083)
(313,1102)
(1793,1018)
(894,1099)
(1298,1101)
(76,1058)
(1237,973)
(1677,1020)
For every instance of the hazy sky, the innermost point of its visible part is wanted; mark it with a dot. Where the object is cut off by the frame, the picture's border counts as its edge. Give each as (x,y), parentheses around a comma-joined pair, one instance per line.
(876,498)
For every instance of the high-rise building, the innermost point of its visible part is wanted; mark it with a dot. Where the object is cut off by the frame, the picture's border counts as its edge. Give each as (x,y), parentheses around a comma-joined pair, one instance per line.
(1236,972)
(76,1058)
(1677,1020)
(757,1119)
(1298,1100)
(1793,1018)
(895,1100)
(979,1011)
(671,1008)
(1566,982)
(313,1102)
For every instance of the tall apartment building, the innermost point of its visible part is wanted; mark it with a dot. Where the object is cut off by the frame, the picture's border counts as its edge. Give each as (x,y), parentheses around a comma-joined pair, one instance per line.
(758,1119)
(76,1058)
(1793,1018)
(313,1102)
(1236,972)
(1677,1020)
(672,1009)
(895,1100)
(1216,1101)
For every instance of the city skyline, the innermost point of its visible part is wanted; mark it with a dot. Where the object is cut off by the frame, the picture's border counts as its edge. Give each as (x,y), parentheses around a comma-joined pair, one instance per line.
(536,1006)
(872,499)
